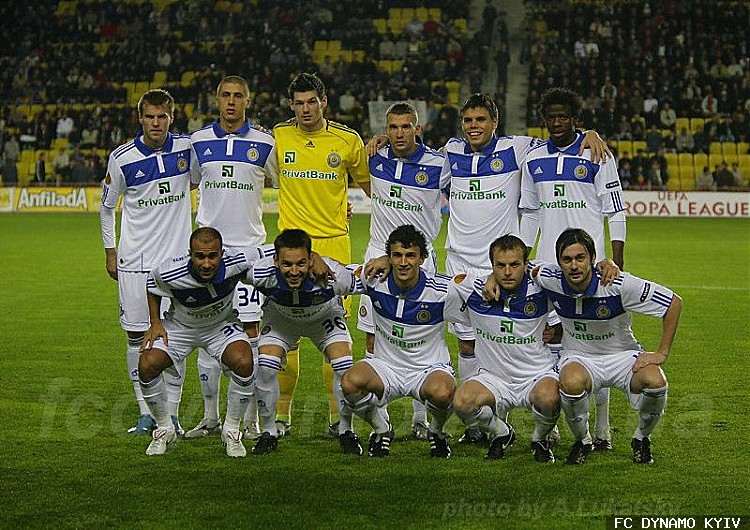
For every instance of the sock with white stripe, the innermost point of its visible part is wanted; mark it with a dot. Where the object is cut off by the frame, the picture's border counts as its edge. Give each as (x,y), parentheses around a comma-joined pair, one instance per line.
(209,373)
(601,422)
(467,366)
(544,424)
(367,409)
(340,366)
(132,354)
(173,388)
(239,394)
(650,410)
(251,414)
(155,397)
(485,419)
(267,391)
(576,409)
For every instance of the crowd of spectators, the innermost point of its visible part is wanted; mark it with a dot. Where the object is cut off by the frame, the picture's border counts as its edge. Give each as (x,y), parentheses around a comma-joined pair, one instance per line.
(73,58)
(639,65)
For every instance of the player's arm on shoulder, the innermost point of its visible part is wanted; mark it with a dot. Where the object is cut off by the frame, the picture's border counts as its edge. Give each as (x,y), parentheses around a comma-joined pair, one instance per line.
(320,271)
(491,289)
(608,270)
(670,321)
(376,143)
(599,148)
(156,329)
(377,267)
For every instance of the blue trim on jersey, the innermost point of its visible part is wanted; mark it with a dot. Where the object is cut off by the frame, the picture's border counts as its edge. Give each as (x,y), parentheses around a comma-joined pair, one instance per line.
(574,170)
(520,307)
(410,169)
(146,150)
(201,296)
(415,312)
(146,170)
(463,162)
(244,152)
(591,306)
(221,133)
(308,294)
(590,290)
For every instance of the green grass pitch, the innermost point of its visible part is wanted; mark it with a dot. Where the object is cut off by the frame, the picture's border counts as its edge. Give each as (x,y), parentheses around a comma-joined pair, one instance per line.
(65,403)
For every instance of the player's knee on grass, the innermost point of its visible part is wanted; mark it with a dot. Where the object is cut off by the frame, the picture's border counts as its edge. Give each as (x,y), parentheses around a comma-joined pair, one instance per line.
(545,396)
(152,363)
(574,379)
(650,376)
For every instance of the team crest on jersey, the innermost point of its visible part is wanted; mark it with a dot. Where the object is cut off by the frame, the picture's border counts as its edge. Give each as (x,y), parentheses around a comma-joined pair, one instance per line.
(423,316)
(334,160)
(580,172)
(266,330)
(317,299)
(602,311)
(182,164)
(496,165)
(529,309)
(421,178)
(252,154)
(362,311)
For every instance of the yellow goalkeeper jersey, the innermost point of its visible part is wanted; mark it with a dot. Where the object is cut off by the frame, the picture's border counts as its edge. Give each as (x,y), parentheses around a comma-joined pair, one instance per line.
(313,176)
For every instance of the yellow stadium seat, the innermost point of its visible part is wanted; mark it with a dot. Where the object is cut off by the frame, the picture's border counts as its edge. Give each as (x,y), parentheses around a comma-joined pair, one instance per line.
(461,24)
(394,12)
(685,160)
(358,55)
(742,148)
(384,65)
(346,56)
(672,161)
(625,146)
(160,79)
(396,65)
(682,122)
(730,155)
(729,149)
(435,13)
(380,25)
(187,78)
(687,179)
(674,182)
(396,25)
(696,124)
(407,13)
(320,45)
(714,160)
(714,148)
(422,14)
(700,160)
(638,144)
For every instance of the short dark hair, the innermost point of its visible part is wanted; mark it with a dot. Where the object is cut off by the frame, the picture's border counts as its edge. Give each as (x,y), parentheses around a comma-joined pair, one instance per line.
(481,100)
(206,234)
(509,242)
(560,96)
(306,82)
(401,108)
(408,236)
(292,238)
(236,80)
(157,97)
(571,236)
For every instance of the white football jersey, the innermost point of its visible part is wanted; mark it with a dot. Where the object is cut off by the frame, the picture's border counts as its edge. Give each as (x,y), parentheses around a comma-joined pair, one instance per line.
(409,330)
(196,303)
(484,193)
(569,191)
(406,191)
(233,167)
(508,333)
(311,299)
(599,321)
(155,185)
